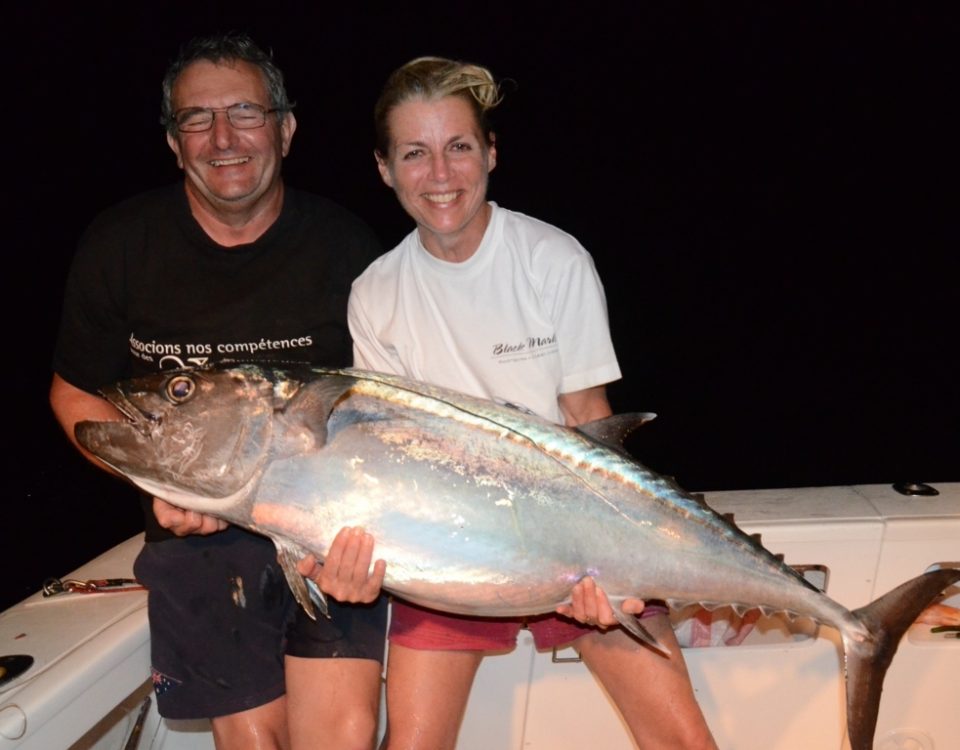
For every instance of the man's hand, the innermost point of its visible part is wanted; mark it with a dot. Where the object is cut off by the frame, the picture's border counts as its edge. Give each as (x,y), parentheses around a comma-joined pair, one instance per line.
(589,605)
(345,574)
(185,522)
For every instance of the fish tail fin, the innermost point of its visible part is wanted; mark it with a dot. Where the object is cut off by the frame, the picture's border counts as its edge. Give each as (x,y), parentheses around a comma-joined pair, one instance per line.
(868,658)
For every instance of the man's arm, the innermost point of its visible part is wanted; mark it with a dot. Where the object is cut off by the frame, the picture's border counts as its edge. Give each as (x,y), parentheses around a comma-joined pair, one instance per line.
(71,405)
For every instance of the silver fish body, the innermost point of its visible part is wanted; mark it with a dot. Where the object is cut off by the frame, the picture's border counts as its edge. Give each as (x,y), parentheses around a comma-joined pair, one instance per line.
(478,508)
(481,509)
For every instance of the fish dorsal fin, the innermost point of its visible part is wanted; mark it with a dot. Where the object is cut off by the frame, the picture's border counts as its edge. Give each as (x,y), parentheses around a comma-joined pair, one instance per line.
(513,405)
(613,430)
(702,499)
(304,591)
(755,537)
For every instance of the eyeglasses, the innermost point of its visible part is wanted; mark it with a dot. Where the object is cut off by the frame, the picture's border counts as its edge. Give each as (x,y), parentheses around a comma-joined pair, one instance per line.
(243,116)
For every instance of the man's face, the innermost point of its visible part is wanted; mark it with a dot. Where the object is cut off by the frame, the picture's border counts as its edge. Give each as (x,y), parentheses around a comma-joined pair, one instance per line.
(229,170)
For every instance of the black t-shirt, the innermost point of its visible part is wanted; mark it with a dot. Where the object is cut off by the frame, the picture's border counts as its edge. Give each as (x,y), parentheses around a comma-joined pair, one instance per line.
(149,290)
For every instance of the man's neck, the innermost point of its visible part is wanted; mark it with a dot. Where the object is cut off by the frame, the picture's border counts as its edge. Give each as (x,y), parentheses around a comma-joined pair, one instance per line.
(230,225)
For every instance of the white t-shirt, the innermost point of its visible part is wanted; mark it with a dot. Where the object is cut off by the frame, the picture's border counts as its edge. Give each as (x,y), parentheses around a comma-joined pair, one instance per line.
(523,320)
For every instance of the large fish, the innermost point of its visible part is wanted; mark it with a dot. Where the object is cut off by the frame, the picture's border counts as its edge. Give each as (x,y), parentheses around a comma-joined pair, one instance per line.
(479,508)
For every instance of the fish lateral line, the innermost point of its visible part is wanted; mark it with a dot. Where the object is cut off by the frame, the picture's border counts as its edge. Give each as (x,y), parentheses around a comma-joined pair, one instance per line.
(603,436)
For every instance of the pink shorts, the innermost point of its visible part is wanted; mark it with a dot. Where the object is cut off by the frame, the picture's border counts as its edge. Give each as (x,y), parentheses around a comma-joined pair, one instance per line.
(429,630)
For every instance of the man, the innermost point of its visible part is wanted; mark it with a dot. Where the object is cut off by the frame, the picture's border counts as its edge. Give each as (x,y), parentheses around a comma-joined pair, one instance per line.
(228,265)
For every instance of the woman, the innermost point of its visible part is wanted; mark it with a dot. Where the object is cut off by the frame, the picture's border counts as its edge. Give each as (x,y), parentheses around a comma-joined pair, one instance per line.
(498,305)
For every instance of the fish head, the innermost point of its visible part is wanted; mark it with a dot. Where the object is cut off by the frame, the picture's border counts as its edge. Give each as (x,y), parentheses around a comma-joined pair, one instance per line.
(192,437)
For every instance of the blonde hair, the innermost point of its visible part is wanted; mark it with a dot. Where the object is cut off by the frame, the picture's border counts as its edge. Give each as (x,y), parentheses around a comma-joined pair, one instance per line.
(427,78)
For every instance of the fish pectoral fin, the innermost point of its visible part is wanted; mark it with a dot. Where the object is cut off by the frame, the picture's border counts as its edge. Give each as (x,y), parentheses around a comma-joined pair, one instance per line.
(304,591)
(317,597)
(632,625)
(310,407)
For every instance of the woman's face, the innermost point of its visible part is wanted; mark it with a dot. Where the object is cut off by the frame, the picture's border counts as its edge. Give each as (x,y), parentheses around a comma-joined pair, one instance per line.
(438,165)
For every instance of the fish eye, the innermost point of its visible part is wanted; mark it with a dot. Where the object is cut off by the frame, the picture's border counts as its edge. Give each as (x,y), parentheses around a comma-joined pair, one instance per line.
(180,388)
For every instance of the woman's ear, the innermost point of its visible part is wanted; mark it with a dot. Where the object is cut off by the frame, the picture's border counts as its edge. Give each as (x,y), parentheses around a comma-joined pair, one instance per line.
(384,169)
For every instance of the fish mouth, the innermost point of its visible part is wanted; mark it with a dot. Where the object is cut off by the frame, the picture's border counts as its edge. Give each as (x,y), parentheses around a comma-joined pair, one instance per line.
(143,421)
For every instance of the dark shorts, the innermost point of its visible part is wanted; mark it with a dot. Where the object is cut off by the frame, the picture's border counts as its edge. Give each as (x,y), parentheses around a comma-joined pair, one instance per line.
(353,631)
(425,629)
(220,616)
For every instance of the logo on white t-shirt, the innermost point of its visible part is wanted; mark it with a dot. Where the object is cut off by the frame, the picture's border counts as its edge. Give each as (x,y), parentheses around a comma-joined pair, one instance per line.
(530,347)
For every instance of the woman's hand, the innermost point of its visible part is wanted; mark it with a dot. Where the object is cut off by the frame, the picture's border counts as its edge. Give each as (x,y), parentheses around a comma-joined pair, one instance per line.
(345,574)
(589,605)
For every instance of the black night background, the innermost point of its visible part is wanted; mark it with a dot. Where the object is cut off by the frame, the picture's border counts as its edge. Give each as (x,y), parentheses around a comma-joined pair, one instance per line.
(764,189)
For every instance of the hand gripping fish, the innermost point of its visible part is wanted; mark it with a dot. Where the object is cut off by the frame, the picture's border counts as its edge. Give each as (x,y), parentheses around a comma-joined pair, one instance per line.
(478,508)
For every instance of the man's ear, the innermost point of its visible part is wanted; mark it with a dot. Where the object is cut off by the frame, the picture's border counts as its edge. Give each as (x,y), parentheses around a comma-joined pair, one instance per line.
(174,145)
(288,126)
